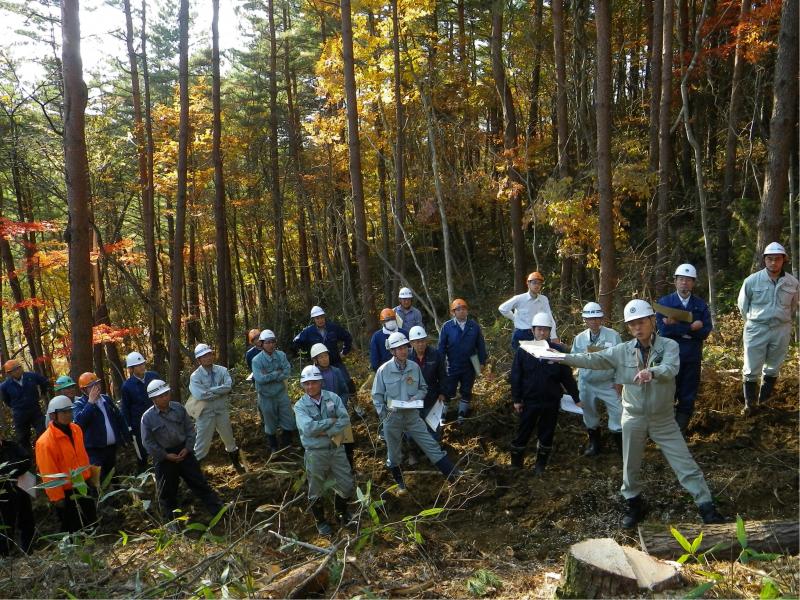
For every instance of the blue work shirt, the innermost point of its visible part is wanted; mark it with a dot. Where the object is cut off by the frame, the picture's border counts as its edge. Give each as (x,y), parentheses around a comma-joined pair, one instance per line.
(22,396)
(458,345)
(251,353)
(690,342)
(410,317)
(333,335)
(135,401)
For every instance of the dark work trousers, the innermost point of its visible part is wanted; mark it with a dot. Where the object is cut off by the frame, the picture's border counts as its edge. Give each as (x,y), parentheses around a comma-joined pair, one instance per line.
(167,475)
(465,379)
(141,453)
(24,422)
(78,511)
(687,382)
(520,335)
(105,458)
(16,514)
(543,418)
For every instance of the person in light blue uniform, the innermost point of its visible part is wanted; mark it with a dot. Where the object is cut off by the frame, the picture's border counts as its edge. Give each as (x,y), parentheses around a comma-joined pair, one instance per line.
(333,381)
(690,337)
(407,316)
(271,370)
(597,386)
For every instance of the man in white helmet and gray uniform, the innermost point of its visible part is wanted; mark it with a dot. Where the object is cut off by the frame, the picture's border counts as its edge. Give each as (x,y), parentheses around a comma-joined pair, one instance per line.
(768,302)
(597,386)
(646,367)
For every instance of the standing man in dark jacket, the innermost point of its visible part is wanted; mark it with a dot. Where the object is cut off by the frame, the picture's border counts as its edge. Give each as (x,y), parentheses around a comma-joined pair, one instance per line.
(135,402)
(254,349)
(536,389)
(16,512)
(20,392)
(102,424)
(434,370)
(329,333)
(689,335)
(460,340)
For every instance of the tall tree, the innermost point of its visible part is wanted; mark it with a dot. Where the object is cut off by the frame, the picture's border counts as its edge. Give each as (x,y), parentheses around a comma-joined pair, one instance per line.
(608,266)
(399,150)
(224,279)
(356,182)
(782,127)
(557,8)
(175,358)
(664,147)
(656,32)
(76,167)
(514,181)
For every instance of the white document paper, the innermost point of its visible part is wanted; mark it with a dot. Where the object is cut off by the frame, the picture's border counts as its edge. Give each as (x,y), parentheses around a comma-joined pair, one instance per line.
(568,405)
(249,377)
(541,350)
(434,418)
(27,482)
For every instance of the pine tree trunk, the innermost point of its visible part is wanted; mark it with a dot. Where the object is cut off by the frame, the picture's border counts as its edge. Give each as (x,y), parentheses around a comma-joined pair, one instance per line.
(665,150)
(399,155)
(657,28)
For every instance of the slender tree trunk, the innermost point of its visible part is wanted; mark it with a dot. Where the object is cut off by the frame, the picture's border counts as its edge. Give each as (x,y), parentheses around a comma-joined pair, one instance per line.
(782,127)
(354,145)
(193,330)
(399,152)
(533,110)
(657,28)
(665,149)
(76,166)
(561,87)
(383,200)
(175,358)
(514,181)
(224,279)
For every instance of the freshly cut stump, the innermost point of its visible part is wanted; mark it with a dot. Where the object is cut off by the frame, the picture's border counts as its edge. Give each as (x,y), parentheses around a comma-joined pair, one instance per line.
(601,568)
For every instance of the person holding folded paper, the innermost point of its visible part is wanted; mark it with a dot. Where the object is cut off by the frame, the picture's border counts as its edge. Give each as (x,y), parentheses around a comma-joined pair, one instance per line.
(434,370)
(398,393)
(537,385)
(646,367)
(598,387)
(685,318)
(333,381)
(322,419)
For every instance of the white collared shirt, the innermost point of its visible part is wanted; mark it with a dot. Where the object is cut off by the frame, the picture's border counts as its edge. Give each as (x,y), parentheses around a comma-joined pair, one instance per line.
(521,309)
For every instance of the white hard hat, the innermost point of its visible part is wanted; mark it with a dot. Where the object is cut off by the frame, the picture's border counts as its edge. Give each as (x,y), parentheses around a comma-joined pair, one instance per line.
(58,403)
(318,349)
(542,319)
(310,373)
(316,311)
(396,340)
(405,293)
(265,335)
(592,310)
(686,270)
(417,333)
(202,350)
(636,309)
(157,388)
(134,359)
(774,248)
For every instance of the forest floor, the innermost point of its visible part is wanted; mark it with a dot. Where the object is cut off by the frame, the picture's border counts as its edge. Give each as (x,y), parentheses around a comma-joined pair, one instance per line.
(509,523)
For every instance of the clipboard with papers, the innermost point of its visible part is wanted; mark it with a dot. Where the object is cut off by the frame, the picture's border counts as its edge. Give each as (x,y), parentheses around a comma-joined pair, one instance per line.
(434,416)
(684,316)
(541,350)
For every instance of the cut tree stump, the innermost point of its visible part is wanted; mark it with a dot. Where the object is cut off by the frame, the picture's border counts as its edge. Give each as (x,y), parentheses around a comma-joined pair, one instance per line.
(601,568)
(283,588)
(782,537)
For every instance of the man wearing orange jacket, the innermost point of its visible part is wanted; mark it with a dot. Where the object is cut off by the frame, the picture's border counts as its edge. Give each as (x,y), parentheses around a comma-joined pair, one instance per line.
(59,453)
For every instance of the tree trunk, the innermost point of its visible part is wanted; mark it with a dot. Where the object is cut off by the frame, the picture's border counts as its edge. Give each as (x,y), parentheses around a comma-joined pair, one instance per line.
(175,358)
(533,110)
(557,8)
(399,153)
(514,181)
(782,126)
(224,279)
(608,255)
(665,150)
(655,104)
(76,166)
(370,321)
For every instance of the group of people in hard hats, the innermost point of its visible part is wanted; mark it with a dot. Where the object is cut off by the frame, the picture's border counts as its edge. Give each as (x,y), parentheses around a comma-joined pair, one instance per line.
(647,387)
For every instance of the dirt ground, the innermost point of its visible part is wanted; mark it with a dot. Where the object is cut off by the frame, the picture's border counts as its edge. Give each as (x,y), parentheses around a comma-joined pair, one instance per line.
(509,522)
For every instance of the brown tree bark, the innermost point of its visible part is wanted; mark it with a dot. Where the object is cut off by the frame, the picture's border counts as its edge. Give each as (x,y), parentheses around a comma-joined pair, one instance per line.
(608,255)
(562,130)
(657,28)
(665,149)
(515,182)
(782,126)
(356,182)
(536,74)
(399,153)
(175,359)
(76,166)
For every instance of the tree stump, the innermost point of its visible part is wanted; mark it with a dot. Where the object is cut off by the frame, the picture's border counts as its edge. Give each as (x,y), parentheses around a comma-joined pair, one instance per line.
(601,568)
(303,576)
(764,536)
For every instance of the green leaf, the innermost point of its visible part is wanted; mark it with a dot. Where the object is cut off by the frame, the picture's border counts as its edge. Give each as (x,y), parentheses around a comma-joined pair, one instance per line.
(717,547)
(696,542)
(766,556)
(700,590)
(124,537)
(681,540)
(217,517)
(683,558)
(741,534)
(196,527)
(431,512)
(769,589)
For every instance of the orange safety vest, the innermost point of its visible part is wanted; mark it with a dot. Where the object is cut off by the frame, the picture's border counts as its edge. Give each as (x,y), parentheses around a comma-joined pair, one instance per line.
(55,453)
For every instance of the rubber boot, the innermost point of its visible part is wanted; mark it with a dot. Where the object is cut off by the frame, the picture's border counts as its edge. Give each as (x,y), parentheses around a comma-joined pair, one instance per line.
(750,389)
(517,457)
(272,443)
(318,510)
(710,514)
(542,458)
(348,450)
(397,475)
(234,456)
(635,512)
(617,437)
(767,386)
(448,469)
(593,447)
(343,511)
(682,419)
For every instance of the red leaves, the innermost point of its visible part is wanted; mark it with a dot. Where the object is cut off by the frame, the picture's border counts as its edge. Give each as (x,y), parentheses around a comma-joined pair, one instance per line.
(27,303)
(106,334)
(9,228)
